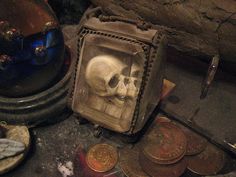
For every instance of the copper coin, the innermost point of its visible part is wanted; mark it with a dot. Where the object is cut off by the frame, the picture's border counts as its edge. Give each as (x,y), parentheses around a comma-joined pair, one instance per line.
(81,169)
(161,119)
(165,143)
(129,163)
(157,170)
(208,162)
(102,157)
(195,143)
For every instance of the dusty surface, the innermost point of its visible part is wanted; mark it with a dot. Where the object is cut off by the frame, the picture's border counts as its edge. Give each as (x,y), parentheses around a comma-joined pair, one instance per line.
(55,144)
(213,116)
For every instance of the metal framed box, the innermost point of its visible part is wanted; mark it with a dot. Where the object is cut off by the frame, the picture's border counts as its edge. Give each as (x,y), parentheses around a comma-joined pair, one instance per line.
(118,75)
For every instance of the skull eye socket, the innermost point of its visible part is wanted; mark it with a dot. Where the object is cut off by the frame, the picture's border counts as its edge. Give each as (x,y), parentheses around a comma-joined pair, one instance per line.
(135,74)
(114,81)
(126,81)
(136,83)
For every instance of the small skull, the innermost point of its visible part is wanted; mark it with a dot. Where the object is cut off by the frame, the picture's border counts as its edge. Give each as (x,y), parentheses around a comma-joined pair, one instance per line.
(107,76)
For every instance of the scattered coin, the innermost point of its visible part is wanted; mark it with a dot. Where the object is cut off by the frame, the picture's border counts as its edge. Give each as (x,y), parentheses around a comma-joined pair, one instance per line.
(195,143)
(157,170)
(102,157)
(165,143)
(129,163)
(81,169)
(208,162)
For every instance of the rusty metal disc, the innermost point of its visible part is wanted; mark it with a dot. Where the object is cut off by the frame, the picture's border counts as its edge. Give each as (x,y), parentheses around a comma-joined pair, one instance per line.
(208,162)
(81,168)
(129,163)
(102,157)
(165,143)
(161,119)
(157,170)
(195,143)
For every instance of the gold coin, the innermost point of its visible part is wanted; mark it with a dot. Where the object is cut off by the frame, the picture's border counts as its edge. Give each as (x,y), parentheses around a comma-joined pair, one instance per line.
(102,157)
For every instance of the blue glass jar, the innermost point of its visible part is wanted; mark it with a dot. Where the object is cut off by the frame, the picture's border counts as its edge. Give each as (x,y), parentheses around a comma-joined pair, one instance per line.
(31,48)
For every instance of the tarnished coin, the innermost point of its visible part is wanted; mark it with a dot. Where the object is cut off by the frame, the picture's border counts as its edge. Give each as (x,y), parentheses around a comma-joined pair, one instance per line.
(165,143)
(208,162)
(102,157)
(129,163)
(81,169)
(161,119)
(195,143)
(157,170)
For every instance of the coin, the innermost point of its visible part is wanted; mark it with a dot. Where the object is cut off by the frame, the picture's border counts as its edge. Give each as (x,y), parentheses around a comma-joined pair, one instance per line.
(208,162)
(81,169)
(161,119)
(165,143)
(129,163)
(102,157)
(195,143)
(157,170)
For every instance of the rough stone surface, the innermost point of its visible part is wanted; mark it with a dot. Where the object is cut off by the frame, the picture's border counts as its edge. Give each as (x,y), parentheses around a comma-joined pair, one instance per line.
(56,144)
(195,26)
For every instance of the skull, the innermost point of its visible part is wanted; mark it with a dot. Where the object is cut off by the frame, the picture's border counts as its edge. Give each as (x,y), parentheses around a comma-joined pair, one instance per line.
(107,77)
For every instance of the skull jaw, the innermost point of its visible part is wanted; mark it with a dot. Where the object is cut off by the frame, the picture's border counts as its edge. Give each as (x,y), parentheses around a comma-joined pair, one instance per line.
(112,106)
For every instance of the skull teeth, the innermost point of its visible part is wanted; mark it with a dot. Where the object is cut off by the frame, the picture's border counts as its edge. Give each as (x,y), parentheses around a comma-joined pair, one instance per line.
(121,98)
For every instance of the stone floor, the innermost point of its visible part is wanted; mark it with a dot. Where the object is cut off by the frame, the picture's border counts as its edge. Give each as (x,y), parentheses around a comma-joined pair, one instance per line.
(56,143)
(213,116)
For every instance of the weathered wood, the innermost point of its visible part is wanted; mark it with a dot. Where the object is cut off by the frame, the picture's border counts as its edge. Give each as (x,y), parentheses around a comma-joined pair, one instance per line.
(201,27)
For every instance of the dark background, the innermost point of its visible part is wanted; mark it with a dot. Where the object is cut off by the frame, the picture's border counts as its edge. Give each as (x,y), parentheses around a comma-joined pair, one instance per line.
(69,11)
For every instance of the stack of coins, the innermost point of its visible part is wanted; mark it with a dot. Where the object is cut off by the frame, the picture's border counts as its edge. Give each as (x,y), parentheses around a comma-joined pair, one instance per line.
(129,162)
(208,162)
(166,150)
(163,150)
(202,157)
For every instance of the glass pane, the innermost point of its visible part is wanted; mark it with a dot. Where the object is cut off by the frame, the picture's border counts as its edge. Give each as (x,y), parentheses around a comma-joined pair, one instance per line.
(108,82)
